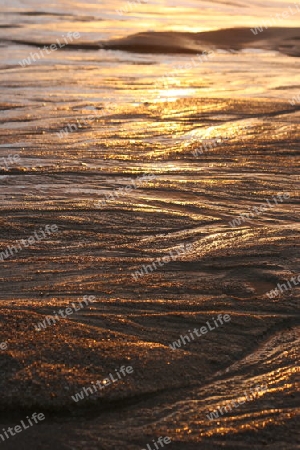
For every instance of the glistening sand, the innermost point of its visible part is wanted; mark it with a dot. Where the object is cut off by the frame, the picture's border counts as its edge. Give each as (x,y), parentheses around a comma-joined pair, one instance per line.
(143,126)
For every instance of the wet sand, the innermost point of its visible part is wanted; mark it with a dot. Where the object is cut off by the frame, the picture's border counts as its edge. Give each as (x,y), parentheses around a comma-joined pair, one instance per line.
(285,40)
(96,250)
(220,139)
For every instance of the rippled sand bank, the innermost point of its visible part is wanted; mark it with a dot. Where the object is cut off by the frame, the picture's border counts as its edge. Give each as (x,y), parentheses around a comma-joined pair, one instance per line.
(96,250)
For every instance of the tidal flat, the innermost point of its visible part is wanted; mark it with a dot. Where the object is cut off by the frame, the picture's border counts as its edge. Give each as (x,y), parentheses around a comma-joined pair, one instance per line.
(241,100)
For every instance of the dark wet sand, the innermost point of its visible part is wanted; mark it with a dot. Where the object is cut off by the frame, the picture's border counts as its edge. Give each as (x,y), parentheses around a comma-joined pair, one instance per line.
(95,252)
(285,40)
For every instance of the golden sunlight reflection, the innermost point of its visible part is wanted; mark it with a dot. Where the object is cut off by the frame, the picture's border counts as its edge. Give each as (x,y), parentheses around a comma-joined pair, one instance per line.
(168,163)
(174,94)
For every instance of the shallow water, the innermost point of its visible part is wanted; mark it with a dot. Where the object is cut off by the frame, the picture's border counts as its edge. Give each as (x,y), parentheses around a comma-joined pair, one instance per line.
(130,119)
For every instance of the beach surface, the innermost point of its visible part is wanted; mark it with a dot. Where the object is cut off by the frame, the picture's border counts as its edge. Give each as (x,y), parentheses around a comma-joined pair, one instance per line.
(210,115)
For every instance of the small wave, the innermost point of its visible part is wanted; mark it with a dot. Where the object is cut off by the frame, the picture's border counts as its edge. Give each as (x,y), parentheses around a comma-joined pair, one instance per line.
(283,40)
(280,39)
